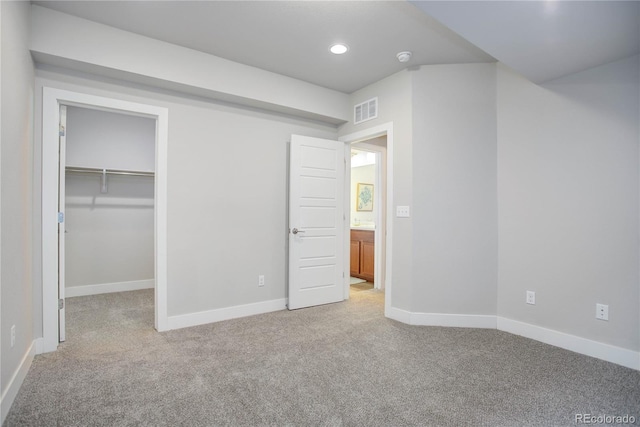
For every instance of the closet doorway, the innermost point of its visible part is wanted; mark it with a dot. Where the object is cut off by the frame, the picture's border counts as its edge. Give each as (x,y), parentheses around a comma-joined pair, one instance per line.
(107,199)
(116,201)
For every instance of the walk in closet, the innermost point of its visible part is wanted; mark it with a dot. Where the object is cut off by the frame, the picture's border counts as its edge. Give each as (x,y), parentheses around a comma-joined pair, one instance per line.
(108,202)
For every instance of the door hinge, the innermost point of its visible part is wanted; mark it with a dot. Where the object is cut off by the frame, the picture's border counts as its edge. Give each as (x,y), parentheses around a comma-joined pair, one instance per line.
(60,304)
(60,217)
(61,133)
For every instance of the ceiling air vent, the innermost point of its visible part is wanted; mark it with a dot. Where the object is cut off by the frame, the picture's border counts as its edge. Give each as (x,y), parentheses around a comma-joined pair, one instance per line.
(366,111)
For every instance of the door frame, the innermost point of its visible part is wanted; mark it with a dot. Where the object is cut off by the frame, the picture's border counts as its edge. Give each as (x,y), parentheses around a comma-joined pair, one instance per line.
(362,136)
(52,98)
(62,179)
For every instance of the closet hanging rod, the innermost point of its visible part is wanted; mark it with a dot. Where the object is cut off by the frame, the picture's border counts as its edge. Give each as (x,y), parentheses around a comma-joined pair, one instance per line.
(76,169)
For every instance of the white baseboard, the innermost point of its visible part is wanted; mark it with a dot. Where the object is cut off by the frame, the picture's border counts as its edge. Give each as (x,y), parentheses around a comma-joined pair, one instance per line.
(39,345)
(440,319)
(398,314)
(610,353)
(211,316)
(479,321)
(11,390)
(106,288)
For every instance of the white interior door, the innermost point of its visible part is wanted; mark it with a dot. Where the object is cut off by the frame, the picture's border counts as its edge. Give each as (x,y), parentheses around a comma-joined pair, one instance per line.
(61,221)
(316,221)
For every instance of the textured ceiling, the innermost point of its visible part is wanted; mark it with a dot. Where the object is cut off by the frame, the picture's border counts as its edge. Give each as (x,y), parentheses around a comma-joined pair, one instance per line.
(292,37)
(542,40)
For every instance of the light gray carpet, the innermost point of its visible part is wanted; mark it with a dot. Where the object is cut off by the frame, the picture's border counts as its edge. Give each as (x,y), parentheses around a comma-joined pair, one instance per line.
(364,286)
(336,365)
(355,280)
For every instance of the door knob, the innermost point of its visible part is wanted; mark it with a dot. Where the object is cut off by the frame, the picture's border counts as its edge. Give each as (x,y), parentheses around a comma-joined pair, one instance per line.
(296,231)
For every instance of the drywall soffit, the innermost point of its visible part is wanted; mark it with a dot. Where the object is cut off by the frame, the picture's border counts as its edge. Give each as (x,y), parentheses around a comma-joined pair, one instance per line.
(46,59)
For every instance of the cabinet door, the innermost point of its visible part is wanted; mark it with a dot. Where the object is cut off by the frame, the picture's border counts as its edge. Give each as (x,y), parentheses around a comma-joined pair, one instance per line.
(355,257)
(367,256)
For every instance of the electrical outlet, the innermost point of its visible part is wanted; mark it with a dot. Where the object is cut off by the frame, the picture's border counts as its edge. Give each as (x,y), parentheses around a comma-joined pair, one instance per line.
(261,280)
(13,335)
(402,211)
(602,311)
(531,297)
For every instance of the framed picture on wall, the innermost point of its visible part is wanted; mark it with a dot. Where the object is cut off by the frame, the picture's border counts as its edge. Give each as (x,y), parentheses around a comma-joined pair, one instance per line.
(364,202)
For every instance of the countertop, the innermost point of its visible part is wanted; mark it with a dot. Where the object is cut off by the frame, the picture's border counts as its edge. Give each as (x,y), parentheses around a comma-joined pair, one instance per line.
(363,227)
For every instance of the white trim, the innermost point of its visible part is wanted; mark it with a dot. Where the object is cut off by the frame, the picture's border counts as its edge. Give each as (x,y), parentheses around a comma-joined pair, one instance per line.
(13,386)
(227,313)
(599,350)
(161,275)
(478,321)
(610,353)
(39,342)
(346,245)
(398,314)
(107,288)
(374,132)
(51,100)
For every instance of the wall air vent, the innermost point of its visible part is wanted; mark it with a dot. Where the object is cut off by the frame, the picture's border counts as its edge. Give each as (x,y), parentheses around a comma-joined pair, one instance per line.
(365,111)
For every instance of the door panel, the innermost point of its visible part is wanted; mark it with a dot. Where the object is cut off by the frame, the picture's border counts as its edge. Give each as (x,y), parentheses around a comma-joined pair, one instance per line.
(319,188)
(317,217)
(318,247)
(316,221)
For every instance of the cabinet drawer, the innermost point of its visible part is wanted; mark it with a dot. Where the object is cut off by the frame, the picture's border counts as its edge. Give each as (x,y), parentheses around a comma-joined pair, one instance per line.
(362,235)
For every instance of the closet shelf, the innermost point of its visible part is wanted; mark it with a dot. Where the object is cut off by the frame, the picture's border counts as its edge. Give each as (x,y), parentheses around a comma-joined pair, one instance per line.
(98,171)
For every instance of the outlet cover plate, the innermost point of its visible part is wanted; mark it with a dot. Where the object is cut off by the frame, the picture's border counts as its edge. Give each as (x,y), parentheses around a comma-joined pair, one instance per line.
(602,311)
(531,297)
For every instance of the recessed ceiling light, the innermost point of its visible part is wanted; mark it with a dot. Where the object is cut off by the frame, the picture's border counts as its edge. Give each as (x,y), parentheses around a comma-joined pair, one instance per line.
(339,48)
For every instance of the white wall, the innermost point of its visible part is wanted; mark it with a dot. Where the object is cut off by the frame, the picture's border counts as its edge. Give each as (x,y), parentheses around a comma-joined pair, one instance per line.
(109,236)
(454,189)
(394,102)
(16,198)
(226,193)
(366,175)
(102,139)
(568,193)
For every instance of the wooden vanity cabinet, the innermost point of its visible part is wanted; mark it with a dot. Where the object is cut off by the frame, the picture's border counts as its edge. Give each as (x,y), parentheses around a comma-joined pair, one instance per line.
(362,254)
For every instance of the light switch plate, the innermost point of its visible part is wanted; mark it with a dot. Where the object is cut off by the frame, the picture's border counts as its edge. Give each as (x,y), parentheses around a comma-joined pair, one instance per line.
(402,211)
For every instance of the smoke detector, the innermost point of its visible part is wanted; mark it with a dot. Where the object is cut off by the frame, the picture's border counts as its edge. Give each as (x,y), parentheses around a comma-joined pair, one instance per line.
(404,56)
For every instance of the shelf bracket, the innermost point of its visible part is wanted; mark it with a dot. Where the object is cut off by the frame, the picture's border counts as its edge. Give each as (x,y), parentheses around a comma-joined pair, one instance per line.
(104,188)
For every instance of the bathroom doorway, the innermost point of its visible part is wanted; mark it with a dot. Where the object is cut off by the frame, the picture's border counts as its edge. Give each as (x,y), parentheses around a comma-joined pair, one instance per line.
(367,138)
(367,214)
